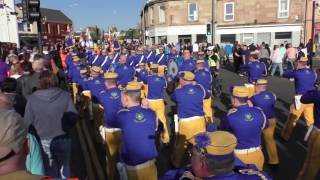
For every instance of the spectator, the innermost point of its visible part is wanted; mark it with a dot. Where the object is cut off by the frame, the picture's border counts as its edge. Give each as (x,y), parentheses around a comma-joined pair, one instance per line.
(264,55)
(8,87)
(276,58)
(195,49)
(14,147)
(291,56)
(228,51)
(4,68)
(237,58)
(34,161)
(14,71)
(52,113)
(25,85)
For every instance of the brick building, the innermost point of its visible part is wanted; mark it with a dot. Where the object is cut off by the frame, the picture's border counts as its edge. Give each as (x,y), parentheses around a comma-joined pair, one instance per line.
(54,25)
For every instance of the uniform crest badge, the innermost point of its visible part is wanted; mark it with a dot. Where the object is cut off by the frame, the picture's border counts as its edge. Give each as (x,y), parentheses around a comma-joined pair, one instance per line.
(157,79)
(191,91)
(114,95)
(139,117)
(97,82)
(248,117)
(267,97)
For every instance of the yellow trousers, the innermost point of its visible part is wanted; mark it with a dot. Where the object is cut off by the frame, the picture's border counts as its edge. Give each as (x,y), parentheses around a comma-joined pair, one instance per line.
(255,158)
(147,173)
(306,109)
(271,147)
(311,164)
(187,130)
(207,109)
(159,108)
(113,151)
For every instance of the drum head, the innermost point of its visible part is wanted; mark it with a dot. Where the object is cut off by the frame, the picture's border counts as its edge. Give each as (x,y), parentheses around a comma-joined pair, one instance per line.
(173,69)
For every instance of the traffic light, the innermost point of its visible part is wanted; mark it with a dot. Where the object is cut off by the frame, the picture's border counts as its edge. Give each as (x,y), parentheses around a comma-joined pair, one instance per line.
(209,29)
(31,10)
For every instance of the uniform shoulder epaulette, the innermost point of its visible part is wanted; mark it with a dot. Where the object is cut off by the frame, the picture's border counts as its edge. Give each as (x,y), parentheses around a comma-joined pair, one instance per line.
(253,172)
(103,91)
(231,111)
(123,110)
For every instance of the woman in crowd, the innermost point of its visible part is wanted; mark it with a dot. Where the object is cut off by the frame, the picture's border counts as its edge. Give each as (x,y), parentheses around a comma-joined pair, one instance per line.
(276,58)
(51,112)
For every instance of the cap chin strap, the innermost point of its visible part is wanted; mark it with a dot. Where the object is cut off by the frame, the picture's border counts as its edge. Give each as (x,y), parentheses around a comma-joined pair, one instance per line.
(8,156)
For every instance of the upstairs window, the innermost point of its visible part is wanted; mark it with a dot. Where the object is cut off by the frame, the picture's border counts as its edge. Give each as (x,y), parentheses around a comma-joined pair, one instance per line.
(229,11)
(192,12)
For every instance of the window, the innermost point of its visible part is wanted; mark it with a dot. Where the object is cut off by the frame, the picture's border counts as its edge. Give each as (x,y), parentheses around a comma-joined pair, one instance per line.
(229,11)
(20,27)
(162,14)
(247,38)
(49,30)
(151,16)
(192,12)
(283,10)
(58,27)
(228,38)
(283,35)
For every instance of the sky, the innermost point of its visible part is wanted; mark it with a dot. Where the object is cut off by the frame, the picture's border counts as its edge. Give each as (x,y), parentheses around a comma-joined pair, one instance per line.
(103,13)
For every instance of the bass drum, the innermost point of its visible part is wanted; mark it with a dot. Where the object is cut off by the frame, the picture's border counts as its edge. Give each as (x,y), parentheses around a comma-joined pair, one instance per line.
(171,74)
(172,70)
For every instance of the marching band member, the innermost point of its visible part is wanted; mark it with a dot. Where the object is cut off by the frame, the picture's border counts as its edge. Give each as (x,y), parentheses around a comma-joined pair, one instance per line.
(304,79)
(110,99)
(266,101)
(188,63)
(150,55)
(141,72)
(132,58)
(189,99)
(140,58)
(98,58)
(255,69)
(203,77)
(124,71)
(105,65)
(74,70)
(138,126)
(155,96)
(95,83)
(161,58)
(246,123)
(212,158)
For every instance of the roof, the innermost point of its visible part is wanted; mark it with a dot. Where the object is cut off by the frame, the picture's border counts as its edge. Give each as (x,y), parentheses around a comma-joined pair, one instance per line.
(56,16)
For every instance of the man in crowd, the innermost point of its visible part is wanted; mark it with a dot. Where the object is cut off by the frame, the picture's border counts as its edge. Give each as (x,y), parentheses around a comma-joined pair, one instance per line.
(304,79)
(14,147)
(156,88)
(189,99)
(247,124)
(266,101)
(138,126)
(110,99)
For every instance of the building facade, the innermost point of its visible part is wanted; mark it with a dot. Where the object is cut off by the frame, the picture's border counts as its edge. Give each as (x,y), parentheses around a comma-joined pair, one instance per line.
(253,21)
(55,26)
(171,21)
(8,23)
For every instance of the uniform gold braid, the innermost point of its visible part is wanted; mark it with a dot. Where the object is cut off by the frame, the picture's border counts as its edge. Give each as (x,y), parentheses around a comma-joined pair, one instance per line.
(253,172)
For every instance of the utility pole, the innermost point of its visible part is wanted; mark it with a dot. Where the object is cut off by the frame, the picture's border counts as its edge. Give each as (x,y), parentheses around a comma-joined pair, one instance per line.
(312,31)
(213,23)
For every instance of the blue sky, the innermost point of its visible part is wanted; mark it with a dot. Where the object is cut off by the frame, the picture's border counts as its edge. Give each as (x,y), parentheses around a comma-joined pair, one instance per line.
(121,13)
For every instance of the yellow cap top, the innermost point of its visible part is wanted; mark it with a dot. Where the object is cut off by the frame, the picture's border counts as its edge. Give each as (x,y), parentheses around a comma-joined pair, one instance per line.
(96,69)
(154,66)
(187,75)
(262,82)
(110,75)
(83,71)
(213,144)
(303,59)
(240,91)
(133,86)
(200,61)
(75,59)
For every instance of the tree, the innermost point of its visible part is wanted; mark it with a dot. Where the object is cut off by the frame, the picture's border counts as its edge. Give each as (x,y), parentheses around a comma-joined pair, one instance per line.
(95,33)
(132,34)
